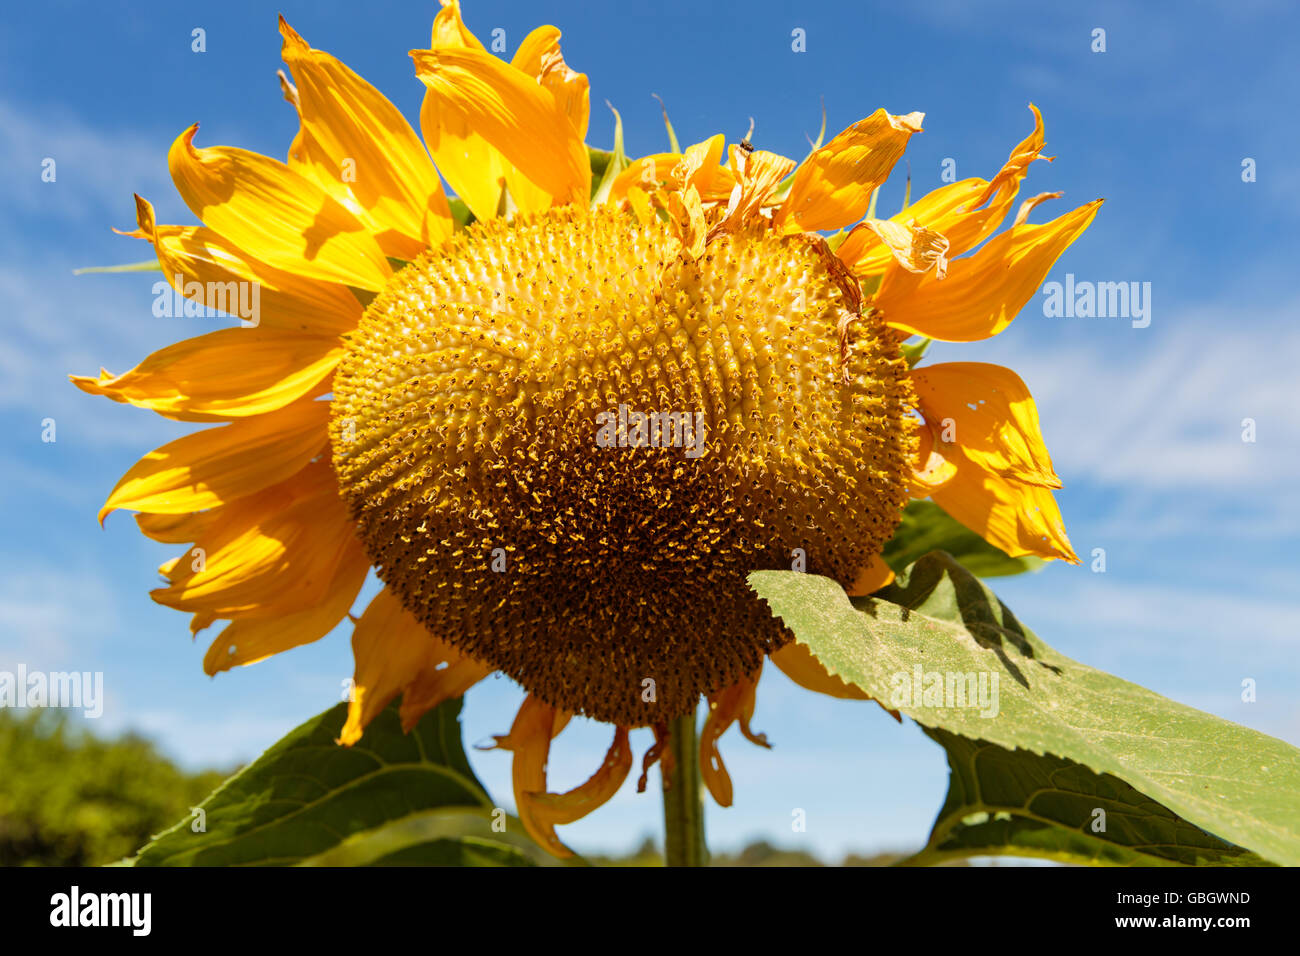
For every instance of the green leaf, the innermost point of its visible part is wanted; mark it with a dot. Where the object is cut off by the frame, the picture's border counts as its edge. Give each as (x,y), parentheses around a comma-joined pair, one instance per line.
(308,797)
(1003,802)
(605,166)
(148,265)
(938,619)
(926,527)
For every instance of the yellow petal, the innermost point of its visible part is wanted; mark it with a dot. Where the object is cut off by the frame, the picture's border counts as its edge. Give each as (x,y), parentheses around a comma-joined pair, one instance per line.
(799,664)
(474,167)
(992,417)
(275,214)
(874,576)
(176,529)
(272,552)
(518,116)
(832,188)
(231,373)
(209,270)
(249,640)
(389,646)
(1019,518)
(930,470)
(983,292)
(213,466)
(357,146)
(435,683)
(539,56)
(953,210)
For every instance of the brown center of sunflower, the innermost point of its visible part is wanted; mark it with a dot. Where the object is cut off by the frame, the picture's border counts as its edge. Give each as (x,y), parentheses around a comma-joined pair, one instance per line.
(565,447)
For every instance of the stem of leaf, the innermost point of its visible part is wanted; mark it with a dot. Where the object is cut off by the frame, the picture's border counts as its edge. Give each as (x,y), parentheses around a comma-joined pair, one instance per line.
(683,800)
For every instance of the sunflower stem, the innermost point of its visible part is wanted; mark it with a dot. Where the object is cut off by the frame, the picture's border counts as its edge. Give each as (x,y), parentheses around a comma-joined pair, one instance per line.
(683,800)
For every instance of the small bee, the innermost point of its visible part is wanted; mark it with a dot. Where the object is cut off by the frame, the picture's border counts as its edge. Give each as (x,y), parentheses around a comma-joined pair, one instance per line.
(745,144)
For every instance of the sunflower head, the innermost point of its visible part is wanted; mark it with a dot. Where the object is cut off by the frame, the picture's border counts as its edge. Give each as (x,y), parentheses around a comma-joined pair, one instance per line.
(565,445)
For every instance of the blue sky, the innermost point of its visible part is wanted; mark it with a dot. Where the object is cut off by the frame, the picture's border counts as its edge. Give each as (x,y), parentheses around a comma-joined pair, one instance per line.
(1200,529)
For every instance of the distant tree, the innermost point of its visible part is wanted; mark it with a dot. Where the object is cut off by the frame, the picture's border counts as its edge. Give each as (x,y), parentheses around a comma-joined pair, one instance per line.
(69,798)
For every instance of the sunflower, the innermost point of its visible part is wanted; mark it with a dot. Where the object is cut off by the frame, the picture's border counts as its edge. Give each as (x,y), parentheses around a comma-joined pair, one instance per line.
(423,393)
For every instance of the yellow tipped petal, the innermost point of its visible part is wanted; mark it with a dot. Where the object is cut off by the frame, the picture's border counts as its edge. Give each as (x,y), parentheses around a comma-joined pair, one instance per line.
(359,148)
(176,529)
(832,188)
(930,470)
(231,373)
(213,466)
(983,292)
(472,90)
(275,214)
(992,417)
(252,639)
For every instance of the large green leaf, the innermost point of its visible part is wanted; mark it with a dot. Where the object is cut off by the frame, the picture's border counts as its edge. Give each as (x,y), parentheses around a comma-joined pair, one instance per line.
(1012,802)
(1057,738)
(926,527)
(307,798)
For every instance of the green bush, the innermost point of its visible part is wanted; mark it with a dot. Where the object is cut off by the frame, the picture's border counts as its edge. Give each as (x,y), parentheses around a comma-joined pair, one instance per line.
(69,798)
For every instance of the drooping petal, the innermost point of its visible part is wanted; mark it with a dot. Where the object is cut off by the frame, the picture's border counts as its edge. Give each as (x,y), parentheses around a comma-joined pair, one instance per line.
(230,373)
(252,639)
(1021,519)
(545,811)
(725,707)
(360,149)
(992,417)
(209,270)
(536,725)
(389,646)
(210,467)
(520,117)
(983,292)
(271,553)
(436,683)
(275,214)
(832,188)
